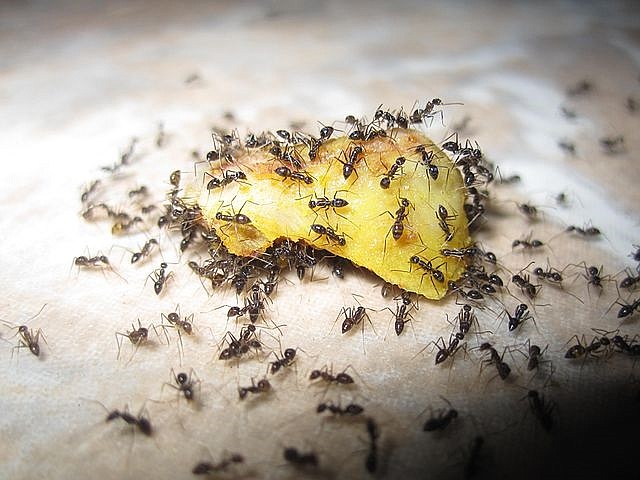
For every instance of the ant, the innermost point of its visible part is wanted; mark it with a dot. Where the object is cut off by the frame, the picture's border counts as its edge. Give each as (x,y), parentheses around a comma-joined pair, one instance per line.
(371,462)
(535,353)
(427,161)
(627,309)
(327,376)
(441,420)
(228,176)
(591,349)
(541,409)
(428,268)
(293,456)
(527,243)
(27,337)
(180,325)
(185,384)
(141,191)
(612,145)
(288,357)
(137,336)
(90,190)
(325,203)
(348,167)
(352,317)
(630,281)
(442,215)
(351,409)
(330,233)
(525,285)
(145,251)
(585,232)
(385,182)
(397,228)
(402,315)
(96,261)
(262,386)
(159,277)
(552,276)
(528,211)
(237,347)
(520,315)
(449,350)
(143,423)
(503,369)
(285,172)
(238,218)
(466,318)
(206,468)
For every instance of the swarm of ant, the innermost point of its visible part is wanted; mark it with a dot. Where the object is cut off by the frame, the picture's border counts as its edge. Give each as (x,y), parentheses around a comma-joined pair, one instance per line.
(251,251)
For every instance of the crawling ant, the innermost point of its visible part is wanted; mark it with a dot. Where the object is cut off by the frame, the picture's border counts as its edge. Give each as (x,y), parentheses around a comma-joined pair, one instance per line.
(427,161)
(428,268)
(352,317)
(337,270)
(330,233)
(567,147)
(184,384)
(137,336)
(581,88)
(237,347)
(541,409)
(143,423)
(466,318)
(326,203)
(288,357)
(351,409)
(239,218)
(550,275)
(180,325)
(528,211)
(402,316)
(445,351)
(520,315)
(262,386)
(385,182)
(285,172)
(612,145)
(327,376)
(494,358)
(206,468)
(145,251)
(255,302)
(630,281)
(228,176)
(581,348)
(397,228)
(442,215)
(371,462)
(141,191)
(96,261)
(627,309)
(527,244)
(159,277)
(29,339)
(348,167)
(534,356)
(525,285)
(298,459)
(585,232)
(441,420)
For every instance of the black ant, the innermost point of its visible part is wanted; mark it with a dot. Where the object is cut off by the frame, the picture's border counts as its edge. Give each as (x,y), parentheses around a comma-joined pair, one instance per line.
(207,468)
(466,318)
(612,145)
(385,182)
(402,315)
(427,161)
(494,358)
(137,336)
(228,177)
(528,211)
(371,462)
(442,215)
(285,172)
(180,325)
(445,351)
(581,88)
(585,232)
(337,270)
(159,277)
(441,420)
(141,422)
(534,354)
(527,243)
(581,348)
(428,268)
(327,376)
(330,233)
(294,457)
(288,357)
(350,409)
(552,276)
(627,309)
(96,261)
(525,285)
(29,339)
(145,251)
(237,347)
(238,218)
(630,281)
(348,167)
(352,317)
(397,228)
(541,409)
(520,315)
(263,386)
(185,384)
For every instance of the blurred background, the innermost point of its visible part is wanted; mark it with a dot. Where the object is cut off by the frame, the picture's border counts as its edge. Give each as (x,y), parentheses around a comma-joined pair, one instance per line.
(547,90)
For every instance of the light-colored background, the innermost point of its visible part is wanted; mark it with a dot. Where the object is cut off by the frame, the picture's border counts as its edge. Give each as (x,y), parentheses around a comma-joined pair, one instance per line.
(78,81)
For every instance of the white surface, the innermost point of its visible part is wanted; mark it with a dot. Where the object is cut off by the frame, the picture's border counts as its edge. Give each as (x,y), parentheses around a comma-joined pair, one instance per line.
(76,83)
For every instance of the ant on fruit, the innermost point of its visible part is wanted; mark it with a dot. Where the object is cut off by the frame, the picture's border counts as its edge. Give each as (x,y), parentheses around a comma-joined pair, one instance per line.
(385,182)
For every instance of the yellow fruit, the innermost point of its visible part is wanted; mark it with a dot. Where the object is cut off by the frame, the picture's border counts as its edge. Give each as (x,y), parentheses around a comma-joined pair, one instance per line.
(250,213)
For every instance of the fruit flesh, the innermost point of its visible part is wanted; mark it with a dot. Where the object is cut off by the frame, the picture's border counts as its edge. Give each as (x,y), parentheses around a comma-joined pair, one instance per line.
(278,207)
